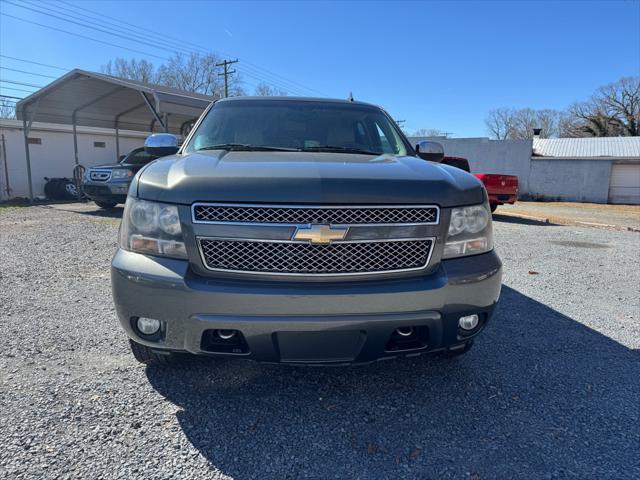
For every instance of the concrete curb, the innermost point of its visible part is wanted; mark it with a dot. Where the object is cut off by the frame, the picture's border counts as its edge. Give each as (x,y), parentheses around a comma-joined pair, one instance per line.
(567,221)
(526,217)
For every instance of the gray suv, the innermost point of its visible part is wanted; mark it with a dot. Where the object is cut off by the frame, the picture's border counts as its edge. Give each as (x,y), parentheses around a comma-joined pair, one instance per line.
(107,185)
(302,231)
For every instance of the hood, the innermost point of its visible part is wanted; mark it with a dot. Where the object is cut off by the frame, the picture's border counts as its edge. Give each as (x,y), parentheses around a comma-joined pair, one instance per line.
(305,178)
(112,166)
(108,165)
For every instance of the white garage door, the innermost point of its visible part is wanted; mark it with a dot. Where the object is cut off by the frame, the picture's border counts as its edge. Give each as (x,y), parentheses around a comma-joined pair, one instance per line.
(624,186)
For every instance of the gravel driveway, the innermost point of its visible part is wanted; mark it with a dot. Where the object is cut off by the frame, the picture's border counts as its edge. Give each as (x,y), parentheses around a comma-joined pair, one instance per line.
(551,390)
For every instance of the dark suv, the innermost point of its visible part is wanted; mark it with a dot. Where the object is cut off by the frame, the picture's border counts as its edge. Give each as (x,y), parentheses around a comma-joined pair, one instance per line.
(302,230)
(107,185)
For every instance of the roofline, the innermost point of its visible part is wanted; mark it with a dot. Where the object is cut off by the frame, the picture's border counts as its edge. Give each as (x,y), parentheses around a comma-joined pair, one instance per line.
(76,72)
(584,157)
(298,99)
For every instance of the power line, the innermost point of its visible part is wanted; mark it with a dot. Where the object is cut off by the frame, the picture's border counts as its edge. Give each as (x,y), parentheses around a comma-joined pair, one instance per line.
(84,18)
(206,50)
(102,16)
(110,31)
(2,87)
(107,31)
(94,39)
(20,83)
(80,36)
(116,34)
(28,73)
(35,63)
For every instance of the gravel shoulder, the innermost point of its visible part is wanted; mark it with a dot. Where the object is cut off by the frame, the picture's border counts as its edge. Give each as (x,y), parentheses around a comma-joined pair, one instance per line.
(549,391)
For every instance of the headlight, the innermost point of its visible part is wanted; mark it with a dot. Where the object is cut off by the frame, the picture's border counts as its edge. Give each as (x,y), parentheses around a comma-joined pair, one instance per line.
(119,173)
(470,231)
(152,228)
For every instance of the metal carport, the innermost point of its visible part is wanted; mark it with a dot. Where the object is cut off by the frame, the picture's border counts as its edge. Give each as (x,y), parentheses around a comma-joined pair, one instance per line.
(98,100)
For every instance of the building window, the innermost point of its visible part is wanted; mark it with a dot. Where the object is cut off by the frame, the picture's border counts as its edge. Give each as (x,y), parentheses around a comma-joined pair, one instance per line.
(100,144)
(35,141)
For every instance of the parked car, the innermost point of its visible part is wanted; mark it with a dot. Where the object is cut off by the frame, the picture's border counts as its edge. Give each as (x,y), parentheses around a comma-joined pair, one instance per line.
(501,188)
(107,185)
(302,231)
(458,162)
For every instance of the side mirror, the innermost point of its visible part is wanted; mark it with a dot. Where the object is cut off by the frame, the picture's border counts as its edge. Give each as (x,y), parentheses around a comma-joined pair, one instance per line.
(161,144)
(121,157)
(432,151)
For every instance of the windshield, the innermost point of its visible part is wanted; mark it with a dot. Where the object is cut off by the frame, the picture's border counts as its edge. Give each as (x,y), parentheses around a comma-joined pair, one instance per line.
(297,125)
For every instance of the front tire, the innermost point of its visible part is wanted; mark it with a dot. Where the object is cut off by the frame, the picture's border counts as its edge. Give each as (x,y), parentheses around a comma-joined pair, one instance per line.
(493,206)
(148,356)
(105,205)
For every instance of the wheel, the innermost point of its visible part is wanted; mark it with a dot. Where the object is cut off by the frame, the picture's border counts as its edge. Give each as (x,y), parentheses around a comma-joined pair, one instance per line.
(148,356)
(105,205)
(493,206)
(460,351)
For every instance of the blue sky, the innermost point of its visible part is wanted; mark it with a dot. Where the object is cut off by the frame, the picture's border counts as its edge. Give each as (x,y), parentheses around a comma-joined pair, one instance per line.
(434,64)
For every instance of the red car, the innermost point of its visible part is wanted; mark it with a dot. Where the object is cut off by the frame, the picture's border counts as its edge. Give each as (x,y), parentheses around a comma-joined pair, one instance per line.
(501,188)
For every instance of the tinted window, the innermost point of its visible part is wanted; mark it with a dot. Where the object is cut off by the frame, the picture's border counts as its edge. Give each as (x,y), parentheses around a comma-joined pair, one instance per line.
(299,125)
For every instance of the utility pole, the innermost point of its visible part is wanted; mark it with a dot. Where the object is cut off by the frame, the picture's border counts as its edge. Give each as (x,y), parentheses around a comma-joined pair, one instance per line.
(226,73)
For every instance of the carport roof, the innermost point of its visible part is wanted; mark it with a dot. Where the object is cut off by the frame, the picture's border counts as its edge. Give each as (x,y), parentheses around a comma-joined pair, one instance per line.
(98,100)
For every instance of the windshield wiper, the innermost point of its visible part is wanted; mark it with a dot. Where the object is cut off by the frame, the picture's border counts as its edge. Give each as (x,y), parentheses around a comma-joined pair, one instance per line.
(246,147)
(337,148)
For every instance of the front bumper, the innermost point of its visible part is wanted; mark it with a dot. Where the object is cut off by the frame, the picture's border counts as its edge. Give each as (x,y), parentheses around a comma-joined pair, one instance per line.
(501,198)
(106,191)
(303,322)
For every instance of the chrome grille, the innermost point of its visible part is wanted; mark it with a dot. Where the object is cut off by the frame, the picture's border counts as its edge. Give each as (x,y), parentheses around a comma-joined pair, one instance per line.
(214,213)
(100,175)
(305,258)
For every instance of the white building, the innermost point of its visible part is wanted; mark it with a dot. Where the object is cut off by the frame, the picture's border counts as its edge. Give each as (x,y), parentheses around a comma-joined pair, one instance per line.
(598,170)
(52,153)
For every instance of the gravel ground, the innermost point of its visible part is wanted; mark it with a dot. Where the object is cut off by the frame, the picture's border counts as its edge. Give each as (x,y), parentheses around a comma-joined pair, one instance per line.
(549,391)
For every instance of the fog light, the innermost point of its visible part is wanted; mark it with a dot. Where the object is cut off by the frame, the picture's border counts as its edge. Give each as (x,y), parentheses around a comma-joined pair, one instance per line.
(469,322)
(148,326)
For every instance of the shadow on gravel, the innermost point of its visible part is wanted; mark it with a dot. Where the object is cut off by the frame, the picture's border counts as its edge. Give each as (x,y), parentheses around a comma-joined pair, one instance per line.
(539,396)
(497,217)
(87,208)
(115,212)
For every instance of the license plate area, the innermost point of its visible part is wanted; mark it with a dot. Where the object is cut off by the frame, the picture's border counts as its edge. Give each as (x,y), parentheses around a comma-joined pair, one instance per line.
(320,347)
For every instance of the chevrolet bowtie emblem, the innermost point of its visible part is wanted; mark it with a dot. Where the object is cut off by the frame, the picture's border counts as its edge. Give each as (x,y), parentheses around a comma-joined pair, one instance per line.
(320,234)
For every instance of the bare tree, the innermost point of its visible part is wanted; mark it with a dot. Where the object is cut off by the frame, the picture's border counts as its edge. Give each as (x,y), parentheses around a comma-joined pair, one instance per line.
(500,123)
(509,123)
(428,132)
(622,99)
(614,110)
(265,90)
(132,69)
(198,73)
(7,108)
(194,73)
